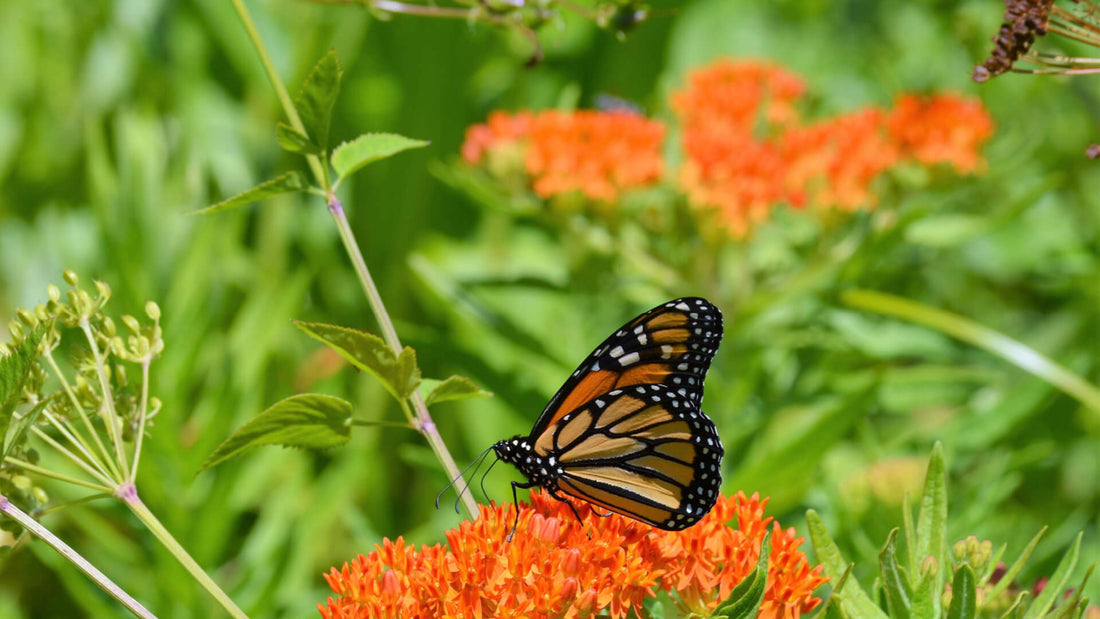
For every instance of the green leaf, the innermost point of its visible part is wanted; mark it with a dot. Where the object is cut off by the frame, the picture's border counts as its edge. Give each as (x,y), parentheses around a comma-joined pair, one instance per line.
(317,97)
(309,420)
(399,373)
(932,522)
(1017,605)
(894,582)
(295,141)
(854,603)
(286,183)
(1014,569)
(15,369)
(455,388)
(1057,583)
(926,594)
(964,603)
(20,428)
(369,147)
(744,601)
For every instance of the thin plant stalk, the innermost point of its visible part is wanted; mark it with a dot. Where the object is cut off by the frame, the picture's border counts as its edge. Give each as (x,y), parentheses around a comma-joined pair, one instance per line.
(421,419)
(127,492)
(32,525)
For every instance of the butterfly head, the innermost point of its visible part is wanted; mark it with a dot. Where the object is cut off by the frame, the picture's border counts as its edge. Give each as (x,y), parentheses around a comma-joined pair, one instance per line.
(513,450)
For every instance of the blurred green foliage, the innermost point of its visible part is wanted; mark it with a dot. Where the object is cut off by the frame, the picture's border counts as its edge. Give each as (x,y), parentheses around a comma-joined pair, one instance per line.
(118,118)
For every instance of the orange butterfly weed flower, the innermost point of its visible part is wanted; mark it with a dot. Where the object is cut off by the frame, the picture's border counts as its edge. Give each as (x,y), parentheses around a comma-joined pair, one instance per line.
(731,96)
(941,129)
(747,149)
(558,567)
(599,154)
(831,164)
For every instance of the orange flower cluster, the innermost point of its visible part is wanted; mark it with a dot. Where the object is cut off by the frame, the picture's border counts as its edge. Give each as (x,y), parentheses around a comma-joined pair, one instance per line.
(559,567)
(747,149)
(598,154)
(941,129)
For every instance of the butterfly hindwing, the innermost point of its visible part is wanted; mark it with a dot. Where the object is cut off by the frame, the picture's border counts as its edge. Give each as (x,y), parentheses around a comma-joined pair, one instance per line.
(671,344)
(645,451)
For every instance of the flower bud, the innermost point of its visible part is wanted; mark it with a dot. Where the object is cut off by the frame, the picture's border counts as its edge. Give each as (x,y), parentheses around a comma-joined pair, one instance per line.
(104,290)
(109,327)
(131,323)
(71,278)
(27,318)
(152,310)
(54,293)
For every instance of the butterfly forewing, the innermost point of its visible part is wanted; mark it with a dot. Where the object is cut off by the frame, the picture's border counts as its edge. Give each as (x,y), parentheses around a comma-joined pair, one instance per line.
(671,344)
(645,451)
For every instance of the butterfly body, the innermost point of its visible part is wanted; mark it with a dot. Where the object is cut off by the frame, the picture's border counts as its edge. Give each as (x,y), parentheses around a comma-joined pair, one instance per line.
(626,432)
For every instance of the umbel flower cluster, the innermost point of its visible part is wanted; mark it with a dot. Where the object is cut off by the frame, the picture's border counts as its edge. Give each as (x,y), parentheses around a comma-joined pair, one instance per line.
(556,566)
(746,146)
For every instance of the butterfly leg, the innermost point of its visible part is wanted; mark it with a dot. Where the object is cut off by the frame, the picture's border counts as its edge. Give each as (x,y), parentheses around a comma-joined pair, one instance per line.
(554,493)
(515,501)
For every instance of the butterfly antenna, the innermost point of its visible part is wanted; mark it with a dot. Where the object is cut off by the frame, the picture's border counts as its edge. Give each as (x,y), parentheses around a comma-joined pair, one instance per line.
(460,476)
(483,476)
(480,460)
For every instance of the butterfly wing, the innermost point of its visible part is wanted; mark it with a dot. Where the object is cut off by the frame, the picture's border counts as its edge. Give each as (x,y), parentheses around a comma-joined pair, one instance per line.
(645,451)
(671,344)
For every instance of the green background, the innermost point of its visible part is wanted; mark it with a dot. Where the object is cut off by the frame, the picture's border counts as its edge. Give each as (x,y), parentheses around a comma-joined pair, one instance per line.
(118,118)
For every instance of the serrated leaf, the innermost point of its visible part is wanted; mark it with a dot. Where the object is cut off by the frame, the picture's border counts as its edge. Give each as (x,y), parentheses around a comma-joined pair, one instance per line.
(855,602)
(294,141)
(455,388)
(369,147)
(317,97)
(15,369)
(310,421)
(286,183)
(399,374)
(17,430)
(964,604)
(1057,583)
(744,601)
(896,585)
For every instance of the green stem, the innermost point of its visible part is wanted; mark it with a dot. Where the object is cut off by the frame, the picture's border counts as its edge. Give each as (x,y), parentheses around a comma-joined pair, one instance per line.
(83,416)
(143,411)
(76,441)
(128,493)
(74,557)
(1024,357)
(423,419)
(27,466)
(111,419)
(73,457)
(280,90)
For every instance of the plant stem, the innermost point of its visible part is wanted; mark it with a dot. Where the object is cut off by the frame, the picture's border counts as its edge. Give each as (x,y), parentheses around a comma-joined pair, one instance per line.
(74,557)
(143,412)
(80,410)
(128,493)
(111,420)
(423,420)
(27,466)
(1016,353)
(280,89)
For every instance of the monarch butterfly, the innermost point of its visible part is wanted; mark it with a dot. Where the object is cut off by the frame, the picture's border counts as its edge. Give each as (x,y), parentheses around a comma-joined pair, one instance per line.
(625,432)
